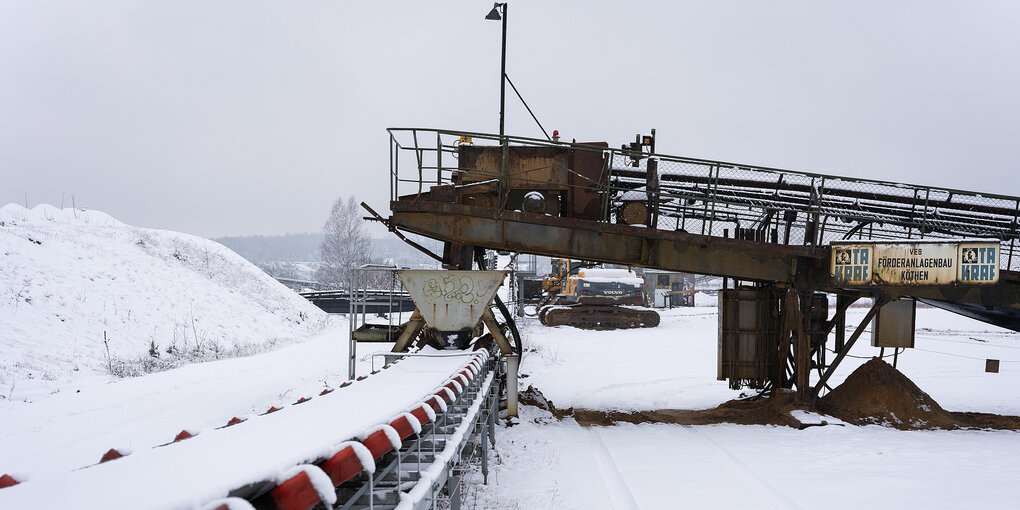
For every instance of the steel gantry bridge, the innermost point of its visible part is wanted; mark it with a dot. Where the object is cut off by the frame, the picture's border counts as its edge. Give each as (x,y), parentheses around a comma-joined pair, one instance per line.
(758,226)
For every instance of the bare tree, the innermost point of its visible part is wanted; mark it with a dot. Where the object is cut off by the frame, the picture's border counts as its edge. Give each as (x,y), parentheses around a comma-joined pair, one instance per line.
(345,244)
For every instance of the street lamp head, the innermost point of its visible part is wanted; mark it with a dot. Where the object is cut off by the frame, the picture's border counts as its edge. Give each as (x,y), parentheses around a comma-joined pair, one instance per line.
(494,13)
(497,9)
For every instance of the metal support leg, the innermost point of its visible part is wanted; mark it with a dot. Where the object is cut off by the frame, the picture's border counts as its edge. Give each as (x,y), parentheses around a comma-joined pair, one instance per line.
(414,325)
(512,362)
(802,347)
(850,343)
(783,349)
(842,303)
(485,452)
(453,489)
(371,491)
(493,410)
(497,335)
(400,461)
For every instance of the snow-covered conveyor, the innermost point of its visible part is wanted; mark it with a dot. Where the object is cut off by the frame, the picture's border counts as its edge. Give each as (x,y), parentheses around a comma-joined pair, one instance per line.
(388,440)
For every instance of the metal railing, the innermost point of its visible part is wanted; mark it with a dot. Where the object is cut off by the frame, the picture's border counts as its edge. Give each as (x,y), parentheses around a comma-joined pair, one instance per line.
(725,199)
(359,297)
(473,414)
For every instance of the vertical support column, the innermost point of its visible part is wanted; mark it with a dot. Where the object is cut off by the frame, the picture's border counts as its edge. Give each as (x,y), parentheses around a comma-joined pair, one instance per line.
(841,306)
(485,448)
(393,169)
(453,489)
(782,342)
(439,159)
(371,491)
(725,282)
(520,296)
(352,345)
(512,363)
(652,191)
(803,345)
(493,410)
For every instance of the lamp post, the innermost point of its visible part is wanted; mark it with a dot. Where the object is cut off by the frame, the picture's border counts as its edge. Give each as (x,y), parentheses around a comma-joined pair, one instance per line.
(494,14)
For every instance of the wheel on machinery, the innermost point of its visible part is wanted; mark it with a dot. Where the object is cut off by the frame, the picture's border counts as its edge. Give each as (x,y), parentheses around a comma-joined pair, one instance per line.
(650,319)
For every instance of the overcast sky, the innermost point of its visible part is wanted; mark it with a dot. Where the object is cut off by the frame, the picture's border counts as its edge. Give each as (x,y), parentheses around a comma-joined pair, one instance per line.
(251,117)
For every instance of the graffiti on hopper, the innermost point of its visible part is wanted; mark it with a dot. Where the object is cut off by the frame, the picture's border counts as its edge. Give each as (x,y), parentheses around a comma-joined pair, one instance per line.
(453,288)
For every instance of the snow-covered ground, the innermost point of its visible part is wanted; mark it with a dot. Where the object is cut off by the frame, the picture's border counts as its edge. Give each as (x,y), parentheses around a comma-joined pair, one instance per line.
(84,296)
(67,276)
(674,365)
(670,366)
(546,463)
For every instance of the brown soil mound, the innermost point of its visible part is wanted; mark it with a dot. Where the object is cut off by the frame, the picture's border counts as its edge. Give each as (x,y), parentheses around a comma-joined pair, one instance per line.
(533,397)
(764,411)
(877,393)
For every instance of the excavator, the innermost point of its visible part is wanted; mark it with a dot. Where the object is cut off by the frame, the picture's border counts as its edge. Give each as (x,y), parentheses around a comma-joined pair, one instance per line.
(583,296)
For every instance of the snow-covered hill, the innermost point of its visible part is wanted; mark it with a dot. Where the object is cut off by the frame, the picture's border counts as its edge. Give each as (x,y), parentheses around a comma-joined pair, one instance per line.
(83,295)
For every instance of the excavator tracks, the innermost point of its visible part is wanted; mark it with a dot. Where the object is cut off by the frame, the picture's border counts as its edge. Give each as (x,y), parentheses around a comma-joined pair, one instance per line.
(599,317)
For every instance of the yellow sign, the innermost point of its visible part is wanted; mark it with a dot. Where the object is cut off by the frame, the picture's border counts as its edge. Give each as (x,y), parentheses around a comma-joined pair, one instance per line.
(922,263)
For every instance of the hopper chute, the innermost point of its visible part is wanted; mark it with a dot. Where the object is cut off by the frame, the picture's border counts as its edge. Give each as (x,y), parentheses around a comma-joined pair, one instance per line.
(451,303)
(451,300)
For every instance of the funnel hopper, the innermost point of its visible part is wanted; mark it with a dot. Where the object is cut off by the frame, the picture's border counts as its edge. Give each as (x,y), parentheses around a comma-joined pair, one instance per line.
(451,301)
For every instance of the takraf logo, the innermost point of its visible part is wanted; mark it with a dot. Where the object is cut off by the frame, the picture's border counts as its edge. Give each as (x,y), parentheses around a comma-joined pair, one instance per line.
(978,264)
(852,264)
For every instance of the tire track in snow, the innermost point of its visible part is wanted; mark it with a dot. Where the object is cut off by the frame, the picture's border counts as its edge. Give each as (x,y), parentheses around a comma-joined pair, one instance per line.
(775,497)
(620,496)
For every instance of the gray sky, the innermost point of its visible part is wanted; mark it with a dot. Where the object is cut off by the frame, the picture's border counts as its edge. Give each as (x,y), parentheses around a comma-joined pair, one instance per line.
(251,117)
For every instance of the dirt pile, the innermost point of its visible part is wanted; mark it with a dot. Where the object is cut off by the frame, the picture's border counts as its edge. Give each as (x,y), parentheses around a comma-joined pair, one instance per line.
(533,397)
(773,410)
(877,393)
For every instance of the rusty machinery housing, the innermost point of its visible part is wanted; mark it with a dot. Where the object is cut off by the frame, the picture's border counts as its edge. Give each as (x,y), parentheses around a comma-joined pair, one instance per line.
(559,181)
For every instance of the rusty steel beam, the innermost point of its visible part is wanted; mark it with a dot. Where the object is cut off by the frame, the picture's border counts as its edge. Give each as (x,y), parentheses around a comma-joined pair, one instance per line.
(610,243)
(1004,294)
(801,267)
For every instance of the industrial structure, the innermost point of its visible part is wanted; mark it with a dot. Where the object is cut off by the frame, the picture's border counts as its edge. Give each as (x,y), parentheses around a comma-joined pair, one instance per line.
(783,240)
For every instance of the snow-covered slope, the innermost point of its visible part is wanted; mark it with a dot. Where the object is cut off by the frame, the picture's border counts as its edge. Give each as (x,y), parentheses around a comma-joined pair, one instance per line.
(83,295)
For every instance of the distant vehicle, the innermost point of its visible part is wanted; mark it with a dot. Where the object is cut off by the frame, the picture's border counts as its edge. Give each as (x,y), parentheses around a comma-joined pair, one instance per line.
(594,298)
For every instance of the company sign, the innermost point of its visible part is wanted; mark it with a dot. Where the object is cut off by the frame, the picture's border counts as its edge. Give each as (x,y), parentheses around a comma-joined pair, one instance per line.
(856,264)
